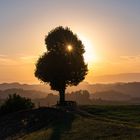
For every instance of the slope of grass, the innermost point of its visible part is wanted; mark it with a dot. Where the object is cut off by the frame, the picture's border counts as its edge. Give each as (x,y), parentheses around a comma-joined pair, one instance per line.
(126,113)
(94,123)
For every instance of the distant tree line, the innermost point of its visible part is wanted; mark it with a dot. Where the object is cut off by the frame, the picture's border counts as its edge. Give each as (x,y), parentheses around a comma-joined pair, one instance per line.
(82,97)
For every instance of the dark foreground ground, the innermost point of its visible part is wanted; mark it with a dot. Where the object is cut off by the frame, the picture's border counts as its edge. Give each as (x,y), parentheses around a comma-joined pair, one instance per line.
(87,123)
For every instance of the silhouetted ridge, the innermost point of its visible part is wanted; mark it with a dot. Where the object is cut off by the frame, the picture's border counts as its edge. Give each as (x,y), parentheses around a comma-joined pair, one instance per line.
(24,122)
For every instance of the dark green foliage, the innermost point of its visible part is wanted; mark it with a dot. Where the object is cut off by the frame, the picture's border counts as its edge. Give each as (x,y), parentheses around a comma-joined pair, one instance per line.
(58,66)
(15,103)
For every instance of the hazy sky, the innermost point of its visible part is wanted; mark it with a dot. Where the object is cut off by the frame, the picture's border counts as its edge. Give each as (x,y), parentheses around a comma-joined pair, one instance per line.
(110,30)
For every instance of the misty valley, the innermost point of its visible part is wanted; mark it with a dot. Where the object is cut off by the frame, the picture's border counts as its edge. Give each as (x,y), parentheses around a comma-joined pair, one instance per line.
(84,94)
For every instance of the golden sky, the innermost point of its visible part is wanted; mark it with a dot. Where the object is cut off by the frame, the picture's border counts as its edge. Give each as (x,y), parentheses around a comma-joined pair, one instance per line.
(109,30)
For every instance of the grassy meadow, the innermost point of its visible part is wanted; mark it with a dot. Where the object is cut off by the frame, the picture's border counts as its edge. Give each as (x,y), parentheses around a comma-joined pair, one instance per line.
(89,123)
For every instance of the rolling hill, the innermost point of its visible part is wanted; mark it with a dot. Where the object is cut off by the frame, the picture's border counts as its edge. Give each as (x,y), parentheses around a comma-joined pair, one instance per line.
(88,123)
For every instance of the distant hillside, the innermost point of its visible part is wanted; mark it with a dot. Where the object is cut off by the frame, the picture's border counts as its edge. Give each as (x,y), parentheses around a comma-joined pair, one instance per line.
(123,77)
(38,87)
(33,94)
(130,89)
(111,96)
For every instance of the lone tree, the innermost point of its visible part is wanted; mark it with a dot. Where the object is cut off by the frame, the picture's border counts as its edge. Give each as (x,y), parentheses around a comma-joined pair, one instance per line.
(63,63)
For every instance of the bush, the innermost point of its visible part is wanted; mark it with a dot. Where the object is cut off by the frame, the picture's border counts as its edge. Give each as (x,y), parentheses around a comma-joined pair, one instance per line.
(15,103)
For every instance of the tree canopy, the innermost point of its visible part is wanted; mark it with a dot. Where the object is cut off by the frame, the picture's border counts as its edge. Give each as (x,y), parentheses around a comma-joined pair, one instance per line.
(63,63)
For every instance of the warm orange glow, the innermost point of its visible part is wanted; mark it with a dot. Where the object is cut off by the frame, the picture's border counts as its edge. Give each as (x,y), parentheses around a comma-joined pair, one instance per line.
(108,50)
(90,54)
(69,48)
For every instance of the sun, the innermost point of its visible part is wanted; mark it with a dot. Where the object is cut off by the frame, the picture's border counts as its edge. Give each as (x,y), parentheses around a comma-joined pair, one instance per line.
(89,55)
(69,48)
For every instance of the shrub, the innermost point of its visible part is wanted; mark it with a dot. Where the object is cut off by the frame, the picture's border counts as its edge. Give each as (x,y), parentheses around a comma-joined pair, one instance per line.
(15,103)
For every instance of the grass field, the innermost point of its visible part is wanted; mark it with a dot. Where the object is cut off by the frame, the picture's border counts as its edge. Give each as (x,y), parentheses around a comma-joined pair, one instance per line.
(91,123)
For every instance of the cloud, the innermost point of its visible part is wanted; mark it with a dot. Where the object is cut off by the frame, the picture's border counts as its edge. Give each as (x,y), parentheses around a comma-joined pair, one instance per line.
(6,60)
(28,59)
(130,58)
(2,55)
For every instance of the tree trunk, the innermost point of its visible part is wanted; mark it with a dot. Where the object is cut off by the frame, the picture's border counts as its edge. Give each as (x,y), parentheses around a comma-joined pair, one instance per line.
(62,97)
